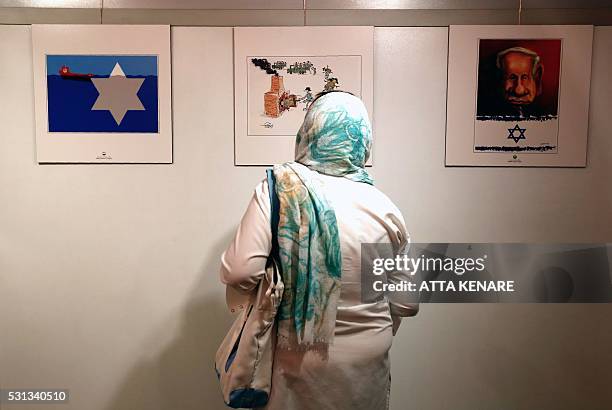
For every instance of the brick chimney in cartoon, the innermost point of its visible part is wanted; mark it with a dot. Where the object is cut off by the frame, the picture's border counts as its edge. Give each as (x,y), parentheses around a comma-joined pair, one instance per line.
(272,99)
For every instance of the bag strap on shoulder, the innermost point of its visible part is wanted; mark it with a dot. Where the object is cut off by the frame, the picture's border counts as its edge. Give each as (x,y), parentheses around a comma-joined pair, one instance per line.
(274,217)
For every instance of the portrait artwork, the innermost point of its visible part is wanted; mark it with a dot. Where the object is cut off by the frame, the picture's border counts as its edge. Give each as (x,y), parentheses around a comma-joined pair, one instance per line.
(518,95)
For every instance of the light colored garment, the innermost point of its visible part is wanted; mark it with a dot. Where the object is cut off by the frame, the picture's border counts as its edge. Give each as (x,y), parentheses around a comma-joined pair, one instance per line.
(310,260)
(335,139)
(355,373)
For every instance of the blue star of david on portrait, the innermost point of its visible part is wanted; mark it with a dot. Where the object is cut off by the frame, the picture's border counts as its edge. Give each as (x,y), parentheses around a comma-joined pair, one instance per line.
(516,138)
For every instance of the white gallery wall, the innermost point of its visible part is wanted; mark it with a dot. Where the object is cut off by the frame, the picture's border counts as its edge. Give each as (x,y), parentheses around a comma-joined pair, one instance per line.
(109,273)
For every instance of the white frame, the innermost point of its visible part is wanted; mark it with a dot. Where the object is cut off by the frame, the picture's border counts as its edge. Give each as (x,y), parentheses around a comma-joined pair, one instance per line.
(101,147)
(291,41)
(573,118)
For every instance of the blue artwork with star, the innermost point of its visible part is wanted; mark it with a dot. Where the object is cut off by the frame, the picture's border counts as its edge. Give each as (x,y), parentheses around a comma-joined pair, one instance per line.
(102,93)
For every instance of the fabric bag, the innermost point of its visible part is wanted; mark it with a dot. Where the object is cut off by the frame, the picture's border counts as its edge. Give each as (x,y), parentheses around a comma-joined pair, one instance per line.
(243,362)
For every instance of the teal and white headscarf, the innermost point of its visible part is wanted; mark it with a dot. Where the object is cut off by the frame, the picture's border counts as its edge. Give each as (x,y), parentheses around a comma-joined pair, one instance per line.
(335,139)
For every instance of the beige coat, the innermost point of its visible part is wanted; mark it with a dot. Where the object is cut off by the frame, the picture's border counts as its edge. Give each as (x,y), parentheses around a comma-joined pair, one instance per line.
(355,374)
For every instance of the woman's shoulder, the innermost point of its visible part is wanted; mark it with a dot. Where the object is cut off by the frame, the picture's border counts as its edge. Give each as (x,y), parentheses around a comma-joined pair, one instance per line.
(386,206)
(261,189)
(261,196)
(364,195)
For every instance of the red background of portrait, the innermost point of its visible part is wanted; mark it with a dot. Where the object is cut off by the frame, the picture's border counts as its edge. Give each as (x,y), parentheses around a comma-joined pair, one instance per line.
(549,51)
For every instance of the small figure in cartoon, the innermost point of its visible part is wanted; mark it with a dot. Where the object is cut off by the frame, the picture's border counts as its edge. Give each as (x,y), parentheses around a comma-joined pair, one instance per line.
(287,101)
(307,99)
(279,65)
(311,67)
(331,84)
(327,72)
(302,68)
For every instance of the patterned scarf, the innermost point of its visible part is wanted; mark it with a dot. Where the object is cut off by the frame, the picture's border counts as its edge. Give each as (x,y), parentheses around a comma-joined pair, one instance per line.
(335,139)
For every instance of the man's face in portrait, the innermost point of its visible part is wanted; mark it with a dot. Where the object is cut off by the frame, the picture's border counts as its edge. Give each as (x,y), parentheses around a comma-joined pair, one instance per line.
(520,84)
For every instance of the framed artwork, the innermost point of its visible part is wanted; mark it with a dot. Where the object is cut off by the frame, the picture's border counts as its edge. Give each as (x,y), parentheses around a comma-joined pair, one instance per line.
(518,95)
(102,93)
(277,73)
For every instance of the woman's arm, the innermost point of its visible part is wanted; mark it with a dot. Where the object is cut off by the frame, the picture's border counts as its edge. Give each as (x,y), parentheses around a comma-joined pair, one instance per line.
(401,304)
(243,263)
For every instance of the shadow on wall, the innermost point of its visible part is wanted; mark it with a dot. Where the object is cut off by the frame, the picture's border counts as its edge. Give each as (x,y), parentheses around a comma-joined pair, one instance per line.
(182,376)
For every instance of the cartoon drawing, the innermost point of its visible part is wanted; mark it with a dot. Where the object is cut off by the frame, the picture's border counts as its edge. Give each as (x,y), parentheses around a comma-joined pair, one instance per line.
(104,98)
(66,74)
(305,74)
(278,73)
(277,99)
(518,89)
(265,65)
(302,68)
(327,71)
(307,99)
(279,65)
(518,80)
(95,94)
(331,84)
